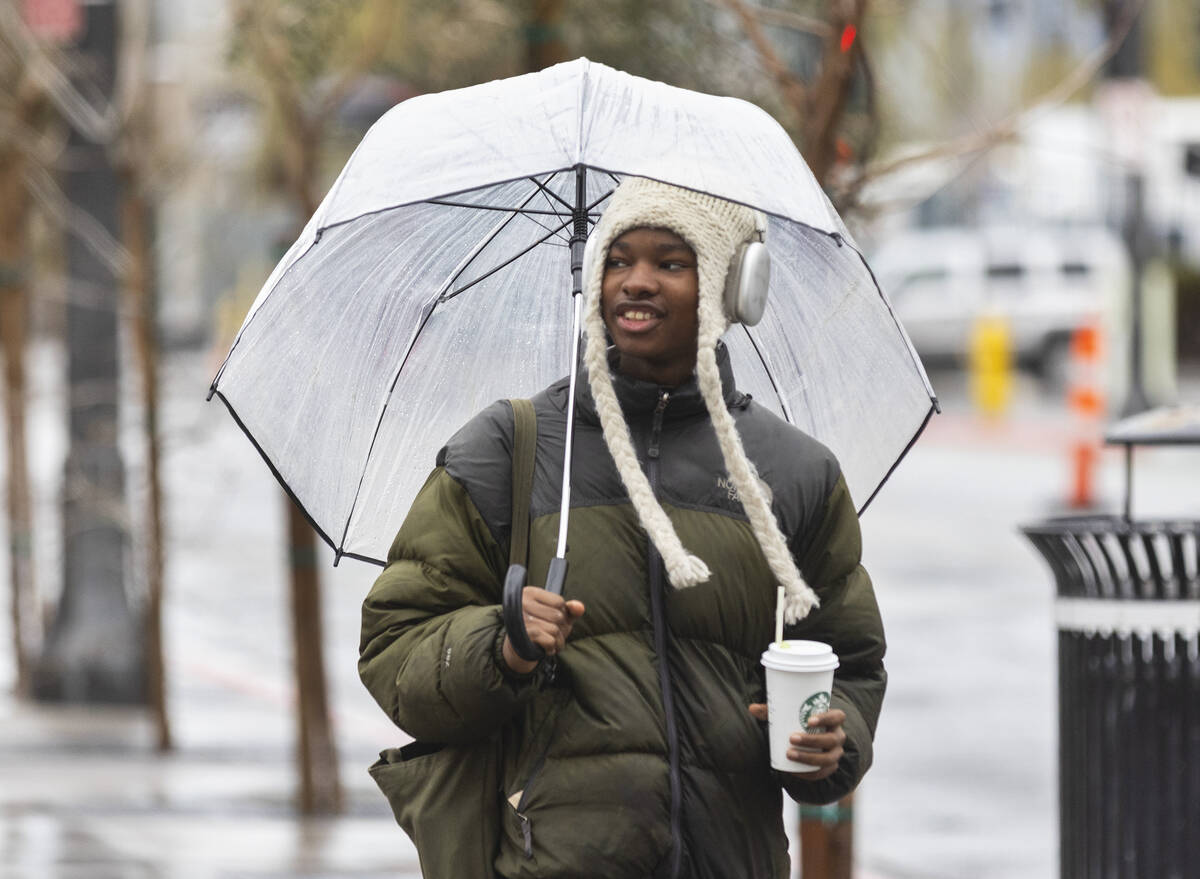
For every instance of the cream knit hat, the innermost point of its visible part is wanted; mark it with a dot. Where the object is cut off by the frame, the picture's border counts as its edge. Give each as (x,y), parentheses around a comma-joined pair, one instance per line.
(715,229)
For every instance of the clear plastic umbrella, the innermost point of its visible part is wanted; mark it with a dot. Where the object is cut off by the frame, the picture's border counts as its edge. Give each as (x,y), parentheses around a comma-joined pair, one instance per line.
(436,277)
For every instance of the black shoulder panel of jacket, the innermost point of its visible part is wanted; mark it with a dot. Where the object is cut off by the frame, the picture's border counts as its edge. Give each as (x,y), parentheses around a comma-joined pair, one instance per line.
(479,458)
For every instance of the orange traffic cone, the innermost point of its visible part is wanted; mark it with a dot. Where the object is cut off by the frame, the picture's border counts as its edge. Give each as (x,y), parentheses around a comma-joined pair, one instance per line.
(1085,400)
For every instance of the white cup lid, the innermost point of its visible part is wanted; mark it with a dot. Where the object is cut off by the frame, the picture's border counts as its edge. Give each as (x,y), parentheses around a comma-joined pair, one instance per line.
(800,656)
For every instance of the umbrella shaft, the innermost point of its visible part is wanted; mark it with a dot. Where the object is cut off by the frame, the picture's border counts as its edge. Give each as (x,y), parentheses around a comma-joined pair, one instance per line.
(564,510)
(578,240)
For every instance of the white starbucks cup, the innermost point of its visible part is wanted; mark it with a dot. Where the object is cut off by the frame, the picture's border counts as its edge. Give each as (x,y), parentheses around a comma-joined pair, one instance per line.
(799,685)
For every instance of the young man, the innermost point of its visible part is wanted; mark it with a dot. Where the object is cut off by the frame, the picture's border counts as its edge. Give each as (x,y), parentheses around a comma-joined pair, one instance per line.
(645,754)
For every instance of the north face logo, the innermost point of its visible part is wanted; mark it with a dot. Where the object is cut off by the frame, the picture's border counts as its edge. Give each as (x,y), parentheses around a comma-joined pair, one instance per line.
(726,485)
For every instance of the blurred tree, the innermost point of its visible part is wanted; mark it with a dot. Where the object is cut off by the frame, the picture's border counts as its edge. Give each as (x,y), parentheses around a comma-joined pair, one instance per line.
(957,134)
(308,56)
(137,159)
(1173,50)
(23,107)
(93,651)
(544,34)
(40,72)
(819,104)
(81,88)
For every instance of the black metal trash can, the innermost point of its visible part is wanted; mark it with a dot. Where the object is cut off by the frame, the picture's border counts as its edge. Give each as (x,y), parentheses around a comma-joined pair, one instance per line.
(1128,615)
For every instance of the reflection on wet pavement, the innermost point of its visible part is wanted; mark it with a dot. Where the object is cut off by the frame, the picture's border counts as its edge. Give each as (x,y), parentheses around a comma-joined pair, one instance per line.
(85,797)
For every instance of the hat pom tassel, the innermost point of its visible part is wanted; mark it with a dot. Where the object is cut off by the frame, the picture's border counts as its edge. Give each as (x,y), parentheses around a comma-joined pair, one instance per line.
(686,570)
(798,602)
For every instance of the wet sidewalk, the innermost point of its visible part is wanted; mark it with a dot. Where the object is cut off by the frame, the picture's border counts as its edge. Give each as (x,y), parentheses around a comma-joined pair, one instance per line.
(83,795)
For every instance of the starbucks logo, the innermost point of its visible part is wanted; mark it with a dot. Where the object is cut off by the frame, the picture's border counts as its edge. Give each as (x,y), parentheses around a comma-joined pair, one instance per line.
(817,703)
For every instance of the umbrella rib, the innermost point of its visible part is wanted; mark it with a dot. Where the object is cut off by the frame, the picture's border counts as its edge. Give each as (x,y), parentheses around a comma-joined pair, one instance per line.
(445,297)
(558,198)
(433,305)
(482,245)
(597,201)
(396,377)
(551,204)
(493,207)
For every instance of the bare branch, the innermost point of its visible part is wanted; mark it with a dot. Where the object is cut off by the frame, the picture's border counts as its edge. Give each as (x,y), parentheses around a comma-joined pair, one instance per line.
(794,91)
(97,124)
(106,248)
(785,18)
(32,144)
(831,90)
(132,82)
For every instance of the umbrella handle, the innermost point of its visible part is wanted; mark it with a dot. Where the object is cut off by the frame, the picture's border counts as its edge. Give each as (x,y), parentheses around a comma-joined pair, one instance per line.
(514,613)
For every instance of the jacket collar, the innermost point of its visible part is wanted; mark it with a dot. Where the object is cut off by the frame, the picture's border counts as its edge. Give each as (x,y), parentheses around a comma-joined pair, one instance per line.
(639,398)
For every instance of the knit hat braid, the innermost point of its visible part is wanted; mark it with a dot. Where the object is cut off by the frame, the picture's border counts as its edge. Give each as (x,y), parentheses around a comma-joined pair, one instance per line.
(714,229)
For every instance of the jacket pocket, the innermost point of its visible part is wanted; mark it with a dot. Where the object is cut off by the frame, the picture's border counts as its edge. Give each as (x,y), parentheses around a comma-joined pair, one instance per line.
(445,799)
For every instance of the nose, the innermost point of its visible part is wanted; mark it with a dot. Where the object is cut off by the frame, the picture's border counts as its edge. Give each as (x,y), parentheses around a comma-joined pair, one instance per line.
(641,280)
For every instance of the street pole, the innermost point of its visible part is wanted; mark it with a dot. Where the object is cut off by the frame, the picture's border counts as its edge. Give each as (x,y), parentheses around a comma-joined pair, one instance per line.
(1134,233)
(1125,86)
(94,650)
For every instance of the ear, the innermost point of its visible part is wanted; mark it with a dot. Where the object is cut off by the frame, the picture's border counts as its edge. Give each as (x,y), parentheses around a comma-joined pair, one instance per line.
(747,282)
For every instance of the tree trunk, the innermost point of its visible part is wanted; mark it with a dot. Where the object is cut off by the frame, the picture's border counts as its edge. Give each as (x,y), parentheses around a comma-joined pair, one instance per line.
(26,108)
(320,788)
(320,777)
(136,227)
(830,91)
(14,324)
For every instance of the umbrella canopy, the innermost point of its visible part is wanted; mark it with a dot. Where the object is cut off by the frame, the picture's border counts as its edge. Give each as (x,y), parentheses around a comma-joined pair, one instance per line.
(435,278)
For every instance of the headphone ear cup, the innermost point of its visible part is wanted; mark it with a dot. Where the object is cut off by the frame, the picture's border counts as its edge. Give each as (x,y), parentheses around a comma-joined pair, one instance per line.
(747,282)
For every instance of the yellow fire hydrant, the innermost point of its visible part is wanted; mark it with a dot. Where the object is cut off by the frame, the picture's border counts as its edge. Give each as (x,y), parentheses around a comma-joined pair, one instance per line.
(990,365)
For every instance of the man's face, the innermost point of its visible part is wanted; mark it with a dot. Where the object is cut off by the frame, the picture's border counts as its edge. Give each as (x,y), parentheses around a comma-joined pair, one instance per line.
(649,296)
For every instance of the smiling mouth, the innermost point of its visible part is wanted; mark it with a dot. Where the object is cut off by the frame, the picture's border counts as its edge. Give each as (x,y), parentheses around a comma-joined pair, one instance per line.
(637,320)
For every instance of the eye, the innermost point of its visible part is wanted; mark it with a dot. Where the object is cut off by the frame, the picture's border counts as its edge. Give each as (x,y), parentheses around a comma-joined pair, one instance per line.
(676,265)
(614,262)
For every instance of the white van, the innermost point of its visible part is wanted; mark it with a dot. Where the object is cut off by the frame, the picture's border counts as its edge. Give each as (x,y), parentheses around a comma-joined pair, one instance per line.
(1044,281)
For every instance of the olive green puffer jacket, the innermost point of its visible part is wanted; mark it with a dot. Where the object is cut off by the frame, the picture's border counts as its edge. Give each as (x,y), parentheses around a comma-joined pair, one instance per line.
(639,758)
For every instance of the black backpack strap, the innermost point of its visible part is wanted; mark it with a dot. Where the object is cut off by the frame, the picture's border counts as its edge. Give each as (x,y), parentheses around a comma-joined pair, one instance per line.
(524,452)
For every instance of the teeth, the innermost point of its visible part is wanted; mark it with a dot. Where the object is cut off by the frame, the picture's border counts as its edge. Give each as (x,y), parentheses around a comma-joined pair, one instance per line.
(638,315)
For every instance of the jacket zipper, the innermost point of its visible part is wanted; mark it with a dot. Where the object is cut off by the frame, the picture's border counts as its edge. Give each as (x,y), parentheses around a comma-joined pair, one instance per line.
(654,562)
(519,807)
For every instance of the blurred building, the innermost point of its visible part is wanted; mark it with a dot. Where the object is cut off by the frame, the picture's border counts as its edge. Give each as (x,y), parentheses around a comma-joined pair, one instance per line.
(1064,162)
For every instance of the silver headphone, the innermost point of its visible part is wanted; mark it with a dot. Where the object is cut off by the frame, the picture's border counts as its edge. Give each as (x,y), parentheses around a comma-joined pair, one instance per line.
(746,282)
(748,279)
